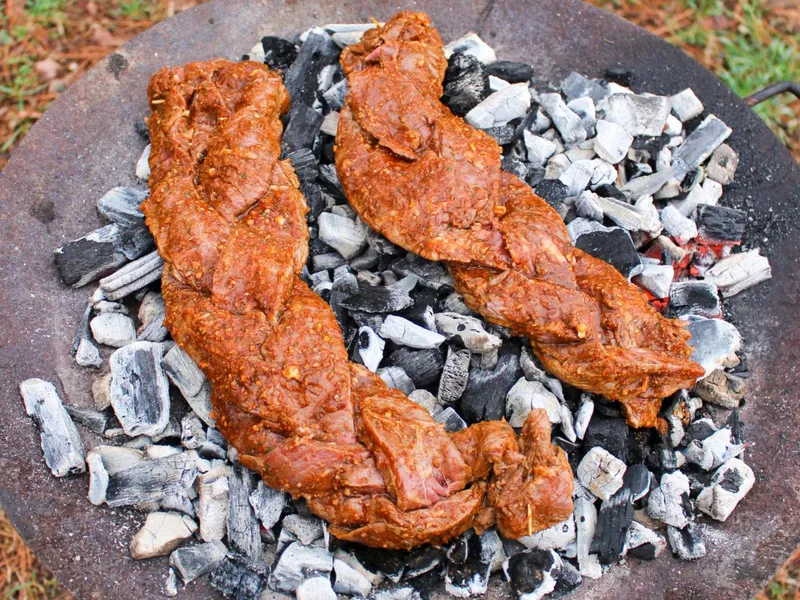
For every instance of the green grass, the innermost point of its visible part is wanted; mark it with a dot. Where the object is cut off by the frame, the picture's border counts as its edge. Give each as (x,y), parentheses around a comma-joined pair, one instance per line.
(749,63)
(46,10)
(138,10)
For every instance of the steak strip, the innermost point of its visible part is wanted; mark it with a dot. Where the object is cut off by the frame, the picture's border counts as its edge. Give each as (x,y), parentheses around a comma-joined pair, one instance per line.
(229,221)
(432,184)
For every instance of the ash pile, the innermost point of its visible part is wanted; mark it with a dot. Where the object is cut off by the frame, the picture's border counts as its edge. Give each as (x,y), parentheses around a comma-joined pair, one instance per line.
(637,177)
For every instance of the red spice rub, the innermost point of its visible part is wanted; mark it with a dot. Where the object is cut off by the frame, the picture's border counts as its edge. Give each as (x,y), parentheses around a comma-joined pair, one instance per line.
(229,221)
(433,185)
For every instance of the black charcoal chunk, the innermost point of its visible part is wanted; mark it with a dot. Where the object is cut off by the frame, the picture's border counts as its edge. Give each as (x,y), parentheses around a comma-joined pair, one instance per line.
(301,80)
(694,298)
(569,579)
(466,83)
(553,191)
(637,480)
(469,577)
(609,433)
(424,367)
(345,286)
(532,574)
(503,134)
(371,299)
(510,71)
(302,130)
(422,560)
(140,389)
(140,127)
(515,167)
(121,205)
(578,86)
(621,75)
(389,562)
(699,145)
(485,395)
(613,522)
(304,164)
(647,551)
(610,191)
(90,257)
(279,54)
(430,274)
(315,198)
(136,241)
(238,578)
(615,247)
(720,224)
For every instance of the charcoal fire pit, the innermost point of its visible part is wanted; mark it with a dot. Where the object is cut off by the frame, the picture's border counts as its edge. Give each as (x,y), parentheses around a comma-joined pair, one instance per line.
(85,143)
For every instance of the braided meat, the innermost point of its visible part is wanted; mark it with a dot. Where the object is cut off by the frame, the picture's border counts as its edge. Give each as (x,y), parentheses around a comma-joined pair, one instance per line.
(229,221)
(432,184)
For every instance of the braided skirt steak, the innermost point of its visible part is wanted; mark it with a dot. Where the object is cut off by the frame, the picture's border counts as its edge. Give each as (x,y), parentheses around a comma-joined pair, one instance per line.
(432,184)
(229,221)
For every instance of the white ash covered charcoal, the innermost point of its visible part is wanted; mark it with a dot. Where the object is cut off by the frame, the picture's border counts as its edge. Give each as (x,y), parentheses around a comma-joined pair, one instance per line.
(507,104)
(715,343)
(686,542)
(315,588)
(584,415)
(638,114)
(193,562)
(644,543)
(722,388)
(698,298)
(680,228)
(113,329)
(647,185)
(730,483)
(305,529)
(213,491)
(612,142)
(469,331)
(94,420)
(686,105)
(577,86)
(667,503)
(601,472)
(171,584)
(539,149)
(739,272)
(712,451)
(244,534)
(451,420)
(405,333)
(699,146)
(139,389)
(470,577)
(268,504)
(133,276)
(526,395)
(555,537)
(405,592)
(350,581)
(238,578)
(150,480)
(345,235)
(656,279)
(121,205)
(370,347)
(397,378)
(85,352)
(585,527)
(427,401)
(533,573)
(161,533)
(61,444)
(296,563)
(152,312)
(628,217)
(191,381)
(143,165)
(466,83)
(722,165)
(567,122)
(473,45)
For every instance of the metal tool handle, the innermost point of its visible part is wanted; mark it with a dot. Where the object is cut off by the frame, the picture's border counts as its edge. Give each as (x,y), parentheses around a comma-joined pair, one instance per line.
(773,90)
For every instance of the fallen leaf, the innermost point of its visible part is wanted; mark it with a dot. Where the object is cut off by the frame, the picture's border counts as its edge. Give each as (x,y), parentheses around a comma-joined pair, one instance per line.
(47,68)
